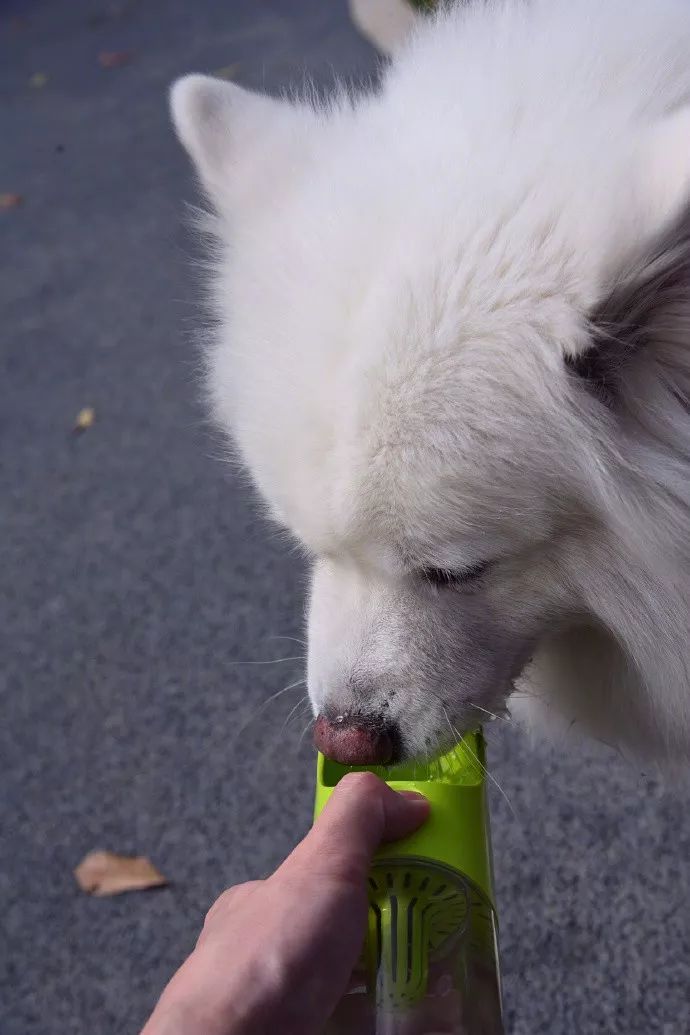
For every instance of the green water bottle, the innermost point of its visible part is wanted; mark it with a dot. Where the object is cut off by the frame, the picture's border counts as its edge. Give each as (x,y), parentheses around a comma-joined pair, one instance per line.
(430,960)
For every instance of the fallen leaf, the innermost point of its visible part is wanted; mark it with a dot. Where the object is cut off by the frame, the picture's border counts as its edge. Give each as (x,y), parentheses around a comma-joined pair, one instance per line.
(228,71)
(114,58)
(106,873)
(38,80)
(85,419)
(10,200)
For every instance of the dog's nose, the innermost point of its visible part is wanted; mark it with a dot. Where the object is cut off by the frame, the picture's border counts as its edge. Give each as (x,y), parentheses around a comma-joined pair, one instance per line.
(355,739)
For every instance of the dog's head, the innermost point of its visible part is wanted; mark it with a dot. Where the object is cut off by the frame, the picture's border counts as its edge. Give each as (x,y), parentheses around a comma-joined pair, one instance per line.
(399,360)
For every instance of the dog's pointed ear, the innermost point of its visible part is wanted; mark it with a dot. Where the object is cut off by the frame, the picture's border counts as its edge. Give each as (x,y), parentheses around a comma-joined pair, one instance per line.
(643,319)
(241,143)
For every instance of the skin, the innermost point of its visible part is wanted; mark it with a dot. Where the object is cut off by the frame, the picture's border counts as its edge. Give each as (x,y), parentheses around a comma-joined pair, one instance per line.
(277,954)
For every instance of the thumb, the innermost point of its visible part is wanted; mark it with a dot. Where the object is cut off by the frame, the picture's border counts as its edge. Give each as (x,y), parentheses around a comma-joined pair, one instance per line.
(361,814)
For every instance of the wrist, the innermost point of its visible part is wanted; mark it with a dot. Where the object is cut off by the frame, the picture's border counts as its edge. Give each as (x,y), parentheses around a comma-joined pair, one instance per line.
(209,996)
(177,1017)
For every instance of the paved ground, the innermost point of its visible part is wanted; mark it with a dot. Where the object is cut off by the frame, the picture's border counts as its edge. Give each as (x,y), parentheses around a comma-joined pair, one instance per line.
(137,581)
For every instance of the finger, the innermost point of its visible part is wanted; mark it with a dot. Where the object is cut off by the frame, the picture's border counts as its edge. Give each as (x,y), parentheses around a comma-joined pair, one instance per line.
(361,814)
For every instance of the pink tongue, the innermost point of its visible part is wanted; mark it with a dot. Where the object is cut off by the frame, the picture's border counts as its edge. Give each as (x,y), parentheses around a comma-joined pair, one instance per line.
(351,744)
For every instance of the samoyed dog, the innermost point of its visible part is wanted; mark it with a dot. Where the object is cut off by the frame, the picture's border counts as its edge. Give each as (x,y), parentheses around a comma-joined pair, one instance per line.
(452,346)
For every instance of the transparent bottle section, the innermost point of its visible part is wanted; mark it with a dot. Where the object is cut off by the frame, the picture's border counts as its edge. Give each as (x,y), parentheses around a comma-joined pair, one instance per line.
(430,961)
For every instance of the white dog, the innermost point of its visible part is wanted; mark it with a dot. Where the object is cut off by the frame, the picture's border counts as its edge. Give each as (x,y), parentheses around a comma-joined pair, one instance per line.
(453,348)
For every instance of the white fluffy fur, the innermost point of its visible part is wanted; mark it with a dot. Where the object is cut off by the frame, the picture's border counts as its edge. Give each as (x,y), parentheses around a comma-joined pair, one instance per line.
(406,286)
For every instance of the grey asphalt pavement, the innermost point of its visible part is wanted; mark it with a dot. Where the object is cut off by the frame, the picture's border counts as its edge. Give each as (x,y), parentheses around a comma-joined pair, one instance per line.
(139,587)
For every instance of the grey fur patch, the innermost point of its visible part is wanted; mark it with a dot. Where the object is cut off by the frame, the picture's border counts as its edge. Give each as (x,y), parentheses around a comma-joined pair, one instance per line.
(648,311)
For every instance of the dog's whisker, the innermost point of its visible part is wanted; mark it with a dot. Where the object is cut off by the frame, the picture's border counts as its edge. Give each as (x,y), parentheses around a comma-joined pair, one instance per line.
(264,704)
(610,744)
(294,639)
(532,694)
(306,729)
(494,781)
(302,701)
(445,712)
(494,715)
(271,661)
(482,767)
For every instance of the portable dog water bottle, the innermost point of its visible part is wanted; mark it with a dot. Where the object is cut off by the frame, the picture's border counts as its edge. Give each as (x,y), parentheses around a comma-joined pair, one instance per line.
(430,959)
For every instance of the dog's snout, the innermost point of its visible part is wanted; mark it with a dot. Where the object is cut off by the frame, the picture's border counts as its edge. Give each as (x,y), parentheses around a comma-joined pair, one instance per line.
(354,739)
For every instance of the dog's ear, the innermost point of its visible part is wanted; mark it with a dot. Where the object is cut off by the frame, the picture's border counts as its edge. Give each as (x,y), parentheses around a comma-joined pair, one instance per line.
(642,323)
(242,144)
(640,333)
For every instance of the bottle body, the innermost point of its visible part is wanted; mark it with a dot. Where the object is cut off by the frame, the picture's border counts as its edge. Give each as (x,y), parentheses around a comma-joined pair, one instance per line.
(430,962)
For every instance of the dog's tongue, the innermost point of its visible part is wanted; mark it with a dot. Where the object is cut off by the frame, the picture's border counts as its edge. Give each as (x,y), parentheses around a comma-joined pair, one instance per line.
(352,744)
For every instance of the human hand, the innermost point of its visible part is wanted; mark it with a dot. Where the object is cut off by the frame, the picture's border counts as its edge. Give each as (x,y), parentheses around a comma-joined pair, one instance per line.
(277,954)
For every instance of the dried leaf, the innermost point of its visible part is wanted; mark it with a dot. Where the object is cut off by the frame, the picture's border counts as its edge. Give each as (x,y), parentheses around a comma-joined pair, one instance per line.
(106,873)
(85,419)
(114,58)
(228,71)
(38,80)
(10,200)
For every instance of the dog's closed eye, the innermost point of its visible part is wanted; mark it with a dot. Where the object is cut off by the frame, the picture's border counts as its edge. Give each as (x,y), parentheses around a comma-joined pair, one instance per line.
(444,578)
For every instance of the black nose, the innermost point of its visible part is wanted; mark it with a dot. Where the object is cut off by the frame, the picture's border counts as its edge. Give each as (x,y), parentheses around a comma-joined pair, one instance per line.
(354,739)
